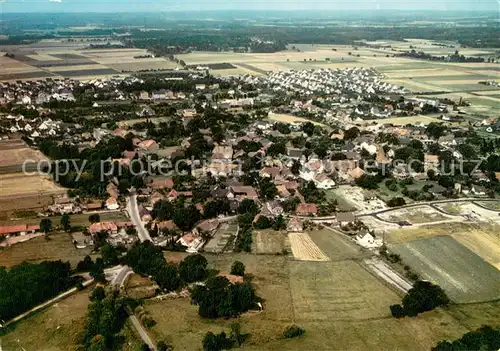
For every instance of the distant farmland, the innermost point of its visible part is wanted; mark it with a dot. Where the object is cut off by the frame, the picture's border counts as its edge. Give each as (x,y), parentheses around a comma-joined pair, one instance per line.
(463,275)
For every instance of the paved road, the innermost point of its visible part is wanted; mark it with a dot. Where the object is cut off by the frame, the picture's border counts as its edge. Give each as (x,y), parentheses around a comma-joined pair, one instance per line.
(140,329)
(133,211)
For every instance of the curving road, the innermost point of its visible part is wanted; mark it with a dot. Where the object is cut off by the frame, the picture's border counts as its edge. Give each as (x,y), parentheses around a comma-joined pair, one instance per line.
(133,211)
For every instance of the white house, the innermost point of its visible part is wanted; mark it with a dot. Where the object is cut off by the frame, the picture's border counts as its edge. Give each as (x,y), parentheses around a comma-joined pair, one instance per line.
(367,240)
(322,181)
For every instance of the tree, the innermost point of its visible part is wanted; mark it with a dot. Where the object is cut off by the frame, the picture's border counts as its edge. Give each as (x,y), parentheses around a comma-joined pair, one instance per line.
(167,278)
(482,339)
(238,268)
(397,311)
(279,223)
(66,222)
(296,166)
(396,202)
(308,128)
(435,130)
(110,255)
(186,217)
(267,189)
(193,268)
(248,206)
(423,296)
(94,218)
(351,133)
(263,222)
(97,294)
(46,225)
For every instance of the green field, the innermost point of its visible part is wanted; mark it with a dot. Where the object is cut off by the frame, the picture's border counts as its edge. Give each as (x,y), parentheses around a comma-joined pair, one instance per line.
(463,275)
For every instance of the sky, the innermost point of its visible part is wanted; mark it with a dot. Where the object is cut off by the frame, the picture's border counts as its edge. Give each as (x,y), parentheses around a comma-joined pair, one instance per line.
(271,5)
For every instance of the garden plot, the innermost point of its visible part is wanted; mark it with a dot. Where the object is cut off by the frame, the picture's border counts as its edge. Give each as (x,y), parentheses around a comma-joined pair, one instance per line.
(416,215)
(268,242)
(304,249)
(463,275)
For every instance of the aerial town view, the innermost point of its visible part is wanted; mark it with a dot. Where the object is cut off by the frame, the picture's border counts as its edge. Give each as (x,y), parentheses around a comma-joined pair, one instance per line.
(282,175)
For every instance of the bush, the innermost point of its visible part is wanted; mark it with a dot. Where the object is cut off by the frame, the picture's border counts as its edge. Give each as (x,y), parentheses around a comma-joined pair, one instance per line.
(293,331)
(397,311)
(238,268)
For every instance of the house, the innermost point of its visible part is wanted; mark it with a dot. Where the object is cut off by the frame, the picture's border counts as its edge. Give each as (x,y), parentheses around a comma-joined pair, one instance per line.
(208,226)
(144,95)
(345,218)
(112,204)
(161,183)
(355,173)
(478,190)
(166,226)
(431,162)
(322,181)
(192,242)
(93,206)
(222,152)
(270,172)
(367,240)
(19,229)
(306,209)
(109,227)
(295,225)
(148,145)
(244,192)
(273,208)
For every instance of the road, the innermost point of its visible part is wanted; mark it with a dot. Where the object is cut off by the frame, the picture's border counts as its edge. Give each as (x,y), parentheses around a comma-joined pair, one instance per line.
(140,329)
(133,211)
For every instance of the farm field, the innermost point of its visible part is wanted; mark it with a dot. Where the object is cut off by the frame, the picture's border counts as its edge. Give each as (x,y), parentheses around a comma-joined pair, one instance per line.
(18,184)
(268,242)
(304,249)
(313,283)
(14,152)
(463,275)
(337,246)
(59,247)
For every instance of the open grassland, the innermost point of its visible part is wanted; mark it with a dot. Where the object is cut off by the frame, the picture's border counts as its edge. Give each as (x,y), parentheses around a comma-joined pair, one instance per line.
(60,328)
(178,321)
(58,247)
(57,328)
(463,275)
